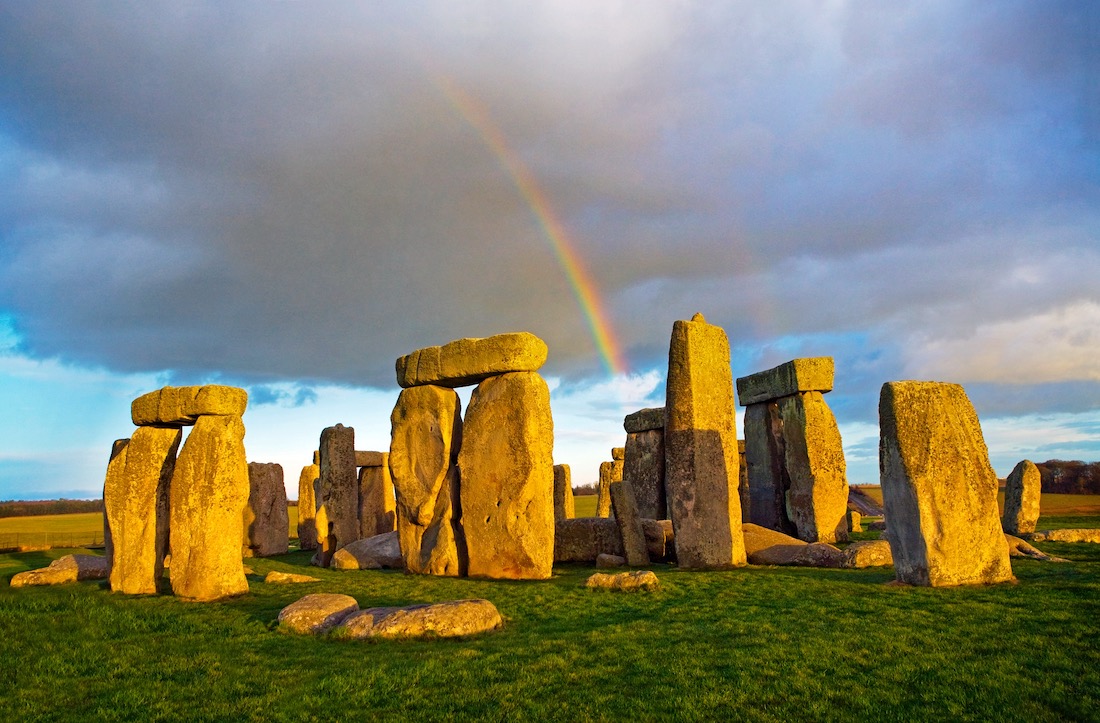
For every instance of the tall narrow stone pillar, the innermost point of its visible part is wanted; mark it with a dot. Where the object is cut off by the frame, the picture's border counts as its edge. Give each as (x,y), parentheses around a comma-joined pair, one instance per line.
(266,519)
(564,507)
(307,507)
(339,488)
(1023,489)
(377,505)
(644,461)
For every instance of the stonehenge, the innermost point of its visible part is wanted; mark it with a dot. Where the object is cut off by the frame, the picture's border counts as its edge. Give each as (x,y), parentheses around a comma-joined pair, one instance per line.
(339,489)
(644,461)
(266,520)
(564,506)
(1022,488)
(307,507)
(377,506)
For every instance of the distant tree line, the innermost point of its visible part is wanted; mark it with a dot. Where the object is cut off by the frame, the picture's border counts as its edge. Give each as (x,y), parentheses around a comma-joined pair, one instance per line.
(24,508)
(1070,478)
(589,489)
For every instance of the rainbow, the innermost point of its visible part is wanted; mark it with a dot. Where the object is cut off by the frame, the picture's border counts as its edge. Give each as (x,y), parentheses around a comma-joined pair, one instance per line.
(553,230)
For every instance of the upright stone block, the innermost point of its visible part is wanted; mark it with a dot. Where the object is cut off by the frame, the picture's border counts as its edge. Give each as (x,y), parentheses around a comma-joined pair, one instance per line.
(307,507)
(266,519)
(630,524)
(564,508)
(339,488)
(743,482)
(814,460)
(939,490)
(794,377)
(644,461)
(426,434)
(701,472)
(1022,492)
(603,493)
(135,500)
(470,361)
(377,505)
(507,468)
(209,491)
(765,456)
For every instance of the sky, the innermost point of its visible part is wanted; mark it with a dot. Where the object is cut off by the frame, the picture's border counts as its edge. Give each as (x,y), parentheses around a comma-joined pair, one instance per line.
(289,196)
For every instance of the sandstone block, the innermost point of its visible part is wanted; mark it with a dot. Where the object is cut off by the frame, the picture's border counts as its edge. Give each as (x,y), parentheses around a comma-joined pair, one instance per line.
(617,453)
(659,538)
(320,520)
(70,568)
(184,405)
(287,578)
(939,490)
(603,560)
(624,581)
(564,507)
(629,522)
(701,472)
(339,488)
(644,466)
(1019,548)
(426,435)
(470,361)
(769,547)
(377,504)
(135,501)
(1071,535)
(266,518)
(585,538)
(371,459)
(743,483)
(1022,491)
(814,458)
(868,553)
(317,613)
(855,521)
(794,377)
(209,491)
(371,553)
(603,493)
(767,472)
(453,619)
(507,463)
(645,420)
(307,507)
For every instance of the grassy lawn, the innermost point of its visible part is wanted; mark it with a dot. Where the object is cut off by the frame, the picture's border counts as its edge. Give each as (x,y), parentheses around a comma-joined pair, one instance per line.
(1050,504)
(767,644)
(584,506)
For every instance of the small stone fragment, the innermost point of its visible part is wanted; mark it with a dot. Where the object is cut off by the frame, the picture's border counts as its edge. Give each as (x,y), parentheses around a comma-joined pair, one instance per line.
(618,453)
(659,538)
(370,553)
(868,553)
(70,568)
(453,619)
(604,560)
(470,361)
(317,613)
(287,578)
(624,581)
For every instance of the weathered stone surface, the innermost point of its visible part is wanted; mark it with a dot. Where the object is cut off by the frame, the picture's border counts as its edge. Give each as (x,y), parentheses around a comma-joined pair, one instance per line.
(317,613)
(603,560)
(564,507)
(701,448)
(339,488)
(266,519)
(617,453)
(1022,490)
(603,493)
(767,472)
(659,538)
(183,405)
(939,490)
(323,555)
(287,578)
(644,466)
(377,503)
(855,521)
(371,553)
(307,507)
(1071,535)
(814,458)
(470,361)
(507,463)
(868,553)
(629,522)
(209,491)
(1019,548)
(624,581)
(135,501)
(585,538)
(371,459)
(645,420)
(769,547)
(743,483)
(426,436)
(794,377)
(453,619)
(70,568)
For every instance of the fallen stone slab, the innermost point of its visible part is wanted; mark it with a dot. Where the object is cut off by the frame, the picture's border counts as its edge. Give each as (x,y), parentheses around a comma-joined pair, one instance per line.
(769,547)
(1020,548)
(868,553)
(469,361)
(793,377)
(287,578)
(184,405)
(317,613)
(1072,535)
(70,568)
(452,619)
(606,561)
(371,553)
(624,581)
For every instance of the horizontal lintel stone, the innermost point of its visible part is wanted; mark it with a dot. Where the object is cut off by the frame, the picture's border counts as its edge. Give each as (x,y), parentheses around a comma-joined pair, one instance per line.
(470,361)
(814,374)
(177,406)
(644,420)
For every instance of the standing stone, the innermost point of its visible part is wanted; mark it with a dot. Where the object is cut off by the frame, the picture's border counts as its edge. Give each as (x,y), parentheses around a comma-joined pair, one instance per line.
(339,487)
(209,492)
(701,448)
(743,482)
(324,553)
(630,524)
(644,461)
(1022,491)
(939,490)
(377,506)
(307,507)
(564,508)
(855,521)
(426,433)
(603,496)
(507,468)
(814,460)
(266,519)
(767,473)
(135,500)
(618,453)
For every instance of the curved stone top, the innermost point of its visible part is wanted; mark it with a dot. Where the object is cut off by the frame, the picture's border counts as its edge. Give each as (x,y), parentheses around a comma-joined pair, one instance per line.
(184,405)
(814,374)
(469,361)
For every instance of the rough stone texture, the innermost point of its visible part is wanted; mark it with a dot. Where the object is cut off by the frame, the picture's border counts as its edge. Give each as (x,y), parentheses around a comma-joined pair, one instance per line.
(507,463)
(701,471)
(617,453)
(70,568)
(855,521)
(425,439)
(644,466)
(371,459)
(377,503)
(453,619)
(1022,490)
(743,482)
(1019,548)
(585,538)
(266,518)
(603,498)
(287,578)
(1072,535)
(629,522)
(307,507)
(184,405)
(371,553)
(624,581)
(769,547)
(603,560)
(868,553)
(470,361)
(767,473)
(939,490)
(316,613)
(209,492)
(339,488)
(645,420)
(659,538)
(324,552)
(135,501)
(564,507)
(794,377)
(814,458)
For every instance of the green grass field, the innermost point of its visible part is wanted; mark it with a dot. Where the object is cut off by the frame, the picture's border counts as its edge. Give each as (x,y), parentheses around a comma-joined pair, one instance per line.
(758,644)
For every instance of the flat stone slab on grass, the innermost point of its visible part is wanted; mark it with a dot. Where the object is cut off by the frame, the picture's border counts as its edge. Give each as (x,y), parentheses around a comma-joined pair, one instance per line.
(453,619)
(371,553)
(769,547)
(317,613)
(625,581)
(70,568)
(1073,535)
(287,578)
